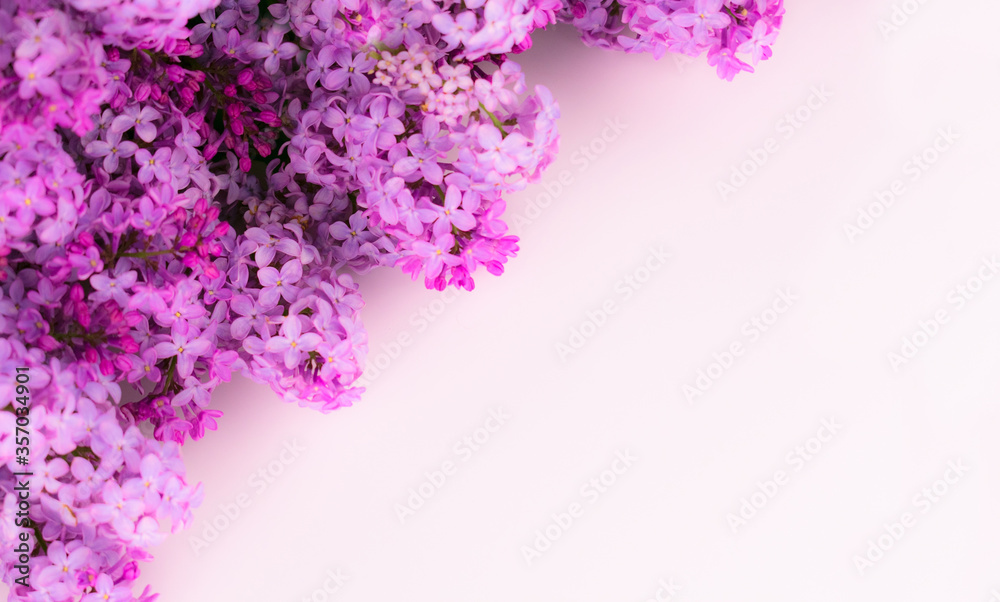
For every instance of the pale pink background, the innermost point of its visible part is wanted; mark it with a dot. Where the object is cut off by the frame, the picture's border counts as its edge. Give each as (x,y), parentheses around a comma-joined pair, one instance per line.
(332,508)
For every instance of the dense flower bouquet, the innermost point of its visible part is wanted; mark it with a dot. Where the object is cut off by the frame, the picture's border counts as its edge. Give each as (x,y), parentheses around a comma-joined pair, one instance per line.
(185,187)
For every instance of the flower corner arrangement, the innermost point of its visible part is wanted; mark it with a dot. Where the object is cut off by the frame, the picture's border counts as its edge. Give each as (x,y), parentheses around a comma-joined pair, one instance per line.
(187,187)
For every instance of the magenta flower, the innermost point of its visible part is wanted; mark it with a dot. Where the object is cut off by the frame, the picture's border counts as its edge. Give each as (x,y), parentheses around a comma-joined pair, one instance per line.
(279,284)
(455,30)
(186,347)
(353,235)
(105,590)
(88,480)
(108,287)
(36,76)
(61,508)
(112,148)
(147,298)
(503,154)
(758,45)
(153,166)
(272,50)
(144,366)
(413,215)
(32,200)
(351,68)
(118,509)
(292,343)
(139,118)
(437,255)
(66,560)
(703,16)
(452,214)
(86,262)
(217,27)
(148,217)
(51,474)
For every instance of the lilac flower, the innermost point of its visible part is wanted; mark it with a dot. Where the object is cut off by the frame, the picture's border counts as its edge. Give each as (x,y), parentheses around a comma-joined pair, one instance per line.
(107,287)
(455,30)
(118,509)
(86,262)
(153,166)
(65,559)
(36,76)
(187,347)
(148,217)
(352,235)
(423,161)
(413,216)
(272,50)
(139,118)
(758,45)
(352,68)
(147,298)
(703,16)
(145,367)
(105,590)
(452,213)
(32,200)
(292,343)
(53,471)
(505,154)
(36,37)
(216,27)
(279,284)
(437,255)
(112,148)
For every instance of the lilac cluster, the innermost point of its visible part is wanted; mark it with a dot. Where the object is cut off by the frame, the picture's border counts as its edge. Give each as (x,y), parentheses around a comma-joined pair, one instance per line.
(185,190)
(725,30)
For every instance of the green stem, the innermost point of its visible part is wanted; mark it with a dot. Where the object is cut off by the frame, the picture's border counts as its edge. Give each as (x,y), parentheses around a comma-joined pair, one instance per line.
(493,117)
(146,254)
(170,374)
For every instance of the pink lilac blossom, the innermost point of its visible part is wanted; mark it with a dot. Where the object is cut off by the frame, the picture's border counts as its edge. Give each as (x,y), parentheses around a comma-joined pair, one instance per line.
(186,188)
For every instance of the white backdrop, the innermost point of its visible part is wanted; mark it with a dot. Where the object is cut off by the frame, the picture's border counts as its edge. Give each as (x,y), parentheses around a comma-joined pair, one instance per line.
(678,389)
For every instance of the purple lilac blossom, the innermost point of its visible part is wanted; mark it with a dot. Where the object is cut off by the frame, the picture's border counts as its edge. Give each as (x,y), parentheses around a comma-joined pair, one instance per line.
(186,188)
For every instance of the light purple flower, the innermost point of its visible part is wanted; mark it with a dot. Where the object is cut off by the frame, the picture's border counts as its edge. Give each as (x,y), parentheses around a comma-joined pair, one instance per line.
(292,343)
(140,118)
(437,255)
(105,590)
(153,166)
(703,16)
(217,27)
(452,214)
(116,287)
(272,50)
(36,76)
(112,148)
(187,347)
(279,284)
